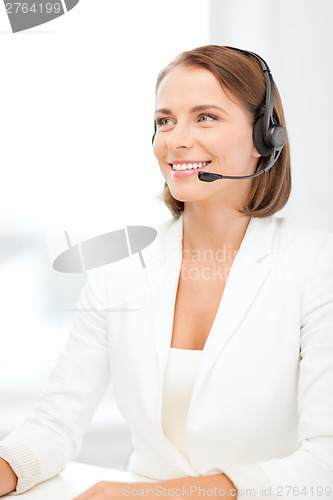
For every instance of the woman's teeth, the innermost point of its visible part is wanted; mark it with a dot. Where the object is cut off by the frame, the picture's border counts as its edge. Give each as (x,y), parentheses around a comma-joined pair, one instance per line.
(189,166)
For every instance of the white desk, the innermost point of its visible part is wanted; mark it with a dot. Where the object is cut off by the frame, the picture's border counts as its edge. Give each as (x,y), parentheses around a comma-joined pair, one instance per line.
(74,480)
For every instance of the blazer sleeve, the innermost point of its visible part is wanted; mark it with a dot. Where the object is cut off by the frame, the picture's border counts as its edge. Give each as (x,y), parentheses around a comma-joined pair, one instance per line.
(41,447)
(308,472)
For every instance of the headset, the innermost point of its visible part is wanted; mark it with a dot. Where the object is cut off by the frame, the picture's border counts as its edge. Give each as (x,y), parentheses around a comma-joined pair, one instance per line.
(269,137)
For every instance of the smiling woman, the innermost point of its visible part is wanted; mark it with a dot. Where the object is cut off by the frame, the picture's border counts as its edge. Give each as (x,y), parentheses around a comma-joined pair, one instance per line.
(221,352)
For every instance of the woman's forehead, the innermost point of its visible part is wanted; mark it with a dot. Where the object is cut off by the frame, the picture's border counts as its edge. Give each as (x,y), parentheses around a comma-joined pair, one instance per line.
(187,75)
(189,86)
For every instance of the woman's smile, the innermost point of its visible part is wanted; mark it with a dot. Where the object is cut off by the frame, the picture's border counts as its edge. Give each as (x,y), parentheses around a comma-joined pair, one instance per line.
(186,168)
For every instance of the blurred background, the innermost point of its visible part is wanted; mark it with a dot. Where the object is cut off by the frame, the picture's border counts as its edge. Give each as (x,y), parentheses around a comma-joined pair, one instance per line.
(77,106)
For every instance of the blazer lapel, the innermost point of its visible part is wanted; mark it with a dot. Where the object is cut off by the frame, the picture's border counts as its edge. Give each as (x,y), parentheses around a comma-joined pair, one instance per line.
(246,277)
(164,295)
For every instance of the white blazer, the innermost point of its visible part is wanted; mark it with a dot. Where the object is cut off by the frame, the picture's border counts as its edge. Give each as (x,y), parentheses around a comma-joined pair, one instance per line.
(262,404)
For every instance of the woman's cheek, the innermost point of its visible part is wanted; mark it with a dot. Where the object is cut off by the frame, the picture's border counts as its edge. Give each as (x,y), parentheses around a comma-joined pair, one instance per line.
(156,148)
(158,143)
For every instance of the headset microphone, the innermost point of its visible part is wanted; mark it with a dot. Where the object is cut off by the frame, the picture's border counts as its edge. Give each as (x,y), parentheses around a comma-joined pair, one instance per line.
(210,177)
(269,137)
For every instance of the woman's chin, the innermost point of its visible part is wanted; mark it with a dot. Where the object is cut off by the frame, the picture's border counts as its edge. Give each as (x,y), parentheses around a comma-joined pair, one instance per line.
(186,194)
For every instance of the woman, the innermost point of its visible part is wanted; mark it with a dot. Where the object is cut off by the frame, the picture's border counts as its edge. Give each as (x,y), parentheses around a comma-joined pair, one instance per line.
(222,364)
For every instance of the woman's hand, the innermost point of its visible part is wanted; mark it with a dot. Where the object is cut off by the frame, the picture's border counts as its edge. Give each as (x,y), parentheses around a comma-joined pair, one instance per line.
(104,490)
(8,478)
(196,487)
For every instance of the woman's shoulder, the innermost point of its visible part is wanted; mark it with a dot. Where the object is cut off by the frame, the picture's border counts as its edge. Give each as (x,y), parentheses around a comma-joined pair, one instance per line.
(305,239)
(132,264)
(296,230)
(169,225)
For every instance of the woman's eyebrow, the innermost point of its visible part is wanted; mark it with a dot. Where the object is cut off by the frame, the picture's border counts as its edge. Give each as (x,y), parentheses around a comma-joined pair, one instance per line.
(195,109)
(204,107)
(164,111)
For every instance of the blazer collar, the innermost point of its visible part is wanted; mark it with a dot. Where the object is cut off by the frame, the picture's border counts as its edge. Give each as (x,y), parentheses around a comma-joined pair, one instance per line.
(256,244)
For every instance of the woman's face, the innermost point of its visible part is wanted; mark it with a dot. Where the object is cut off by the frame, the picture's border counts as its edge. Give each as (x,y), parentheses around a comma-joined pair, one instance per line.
(198,126)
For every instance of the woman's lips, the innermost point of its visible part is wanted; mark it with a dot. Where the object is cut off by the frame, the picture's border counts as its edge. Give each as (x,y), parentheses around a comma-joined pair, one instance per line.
(188,172)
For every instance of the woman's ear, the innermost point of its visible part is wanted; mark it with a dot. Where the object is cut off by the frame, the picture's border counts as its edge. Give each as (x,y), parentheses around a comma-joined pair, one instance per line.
(255,153)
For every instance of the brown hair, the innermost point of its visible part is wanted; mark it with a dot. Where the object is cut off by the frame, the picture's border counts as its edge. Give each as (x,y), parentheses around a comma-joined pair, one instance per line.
(242,76)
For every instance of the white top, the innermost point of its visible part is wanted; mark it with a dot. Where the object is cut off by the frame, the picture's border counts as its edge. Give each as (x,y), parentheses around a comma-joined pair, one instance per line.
(179,380)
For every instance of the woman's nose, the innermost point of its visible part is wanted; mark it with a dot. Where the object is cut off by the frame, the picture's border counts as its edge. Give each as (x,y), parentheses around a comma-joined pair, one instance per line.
(180,137)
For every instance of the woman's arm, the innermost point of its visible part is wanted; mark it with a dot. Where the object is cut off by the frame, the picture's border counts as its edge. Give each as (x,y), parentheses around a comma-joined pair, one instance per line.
(196,487)
(8,478)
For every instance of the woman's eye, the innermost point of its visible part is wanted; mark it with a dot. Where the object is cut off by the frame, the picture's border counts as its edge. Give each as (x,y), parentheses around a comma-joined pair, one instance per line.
(206,118)
(160,122)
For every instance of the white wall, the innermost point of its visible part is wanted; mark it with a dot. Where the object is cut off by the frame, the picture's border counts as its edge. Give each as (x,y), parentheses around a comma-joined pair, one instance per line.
(296,39)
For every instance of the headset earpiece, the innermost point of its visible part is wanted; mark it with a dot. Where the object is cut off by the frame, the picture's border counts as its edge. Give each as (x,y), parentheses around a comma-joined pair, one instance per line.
(276,137)
(258,137)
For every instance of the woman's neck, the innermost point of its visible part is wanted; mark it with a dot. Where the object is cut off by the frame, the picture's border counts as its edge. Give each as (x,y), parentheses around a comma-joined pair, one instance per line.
(213,230)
